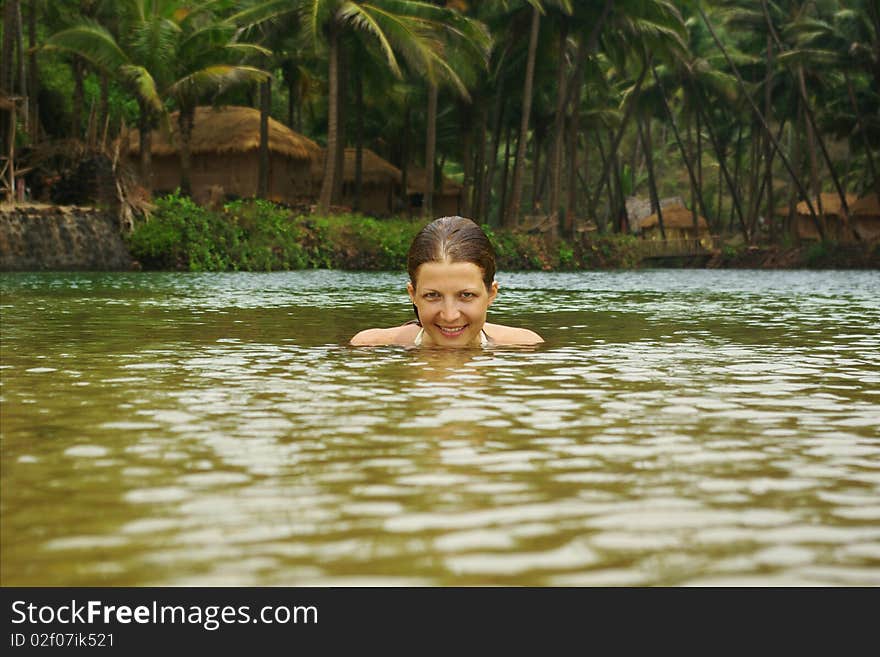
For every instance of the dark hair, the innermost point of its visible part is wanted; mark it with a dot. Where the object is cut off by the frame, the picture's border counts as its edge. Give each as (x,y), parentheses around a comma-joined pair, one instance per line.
(456,239)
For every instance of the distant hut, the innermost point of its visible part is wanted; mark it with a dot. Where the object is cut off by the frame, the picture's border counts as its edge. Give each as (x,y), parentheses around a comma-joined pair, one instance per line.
(865,217)
(835,227)
(678,223)
(225,147)
(380,182)
(446,199)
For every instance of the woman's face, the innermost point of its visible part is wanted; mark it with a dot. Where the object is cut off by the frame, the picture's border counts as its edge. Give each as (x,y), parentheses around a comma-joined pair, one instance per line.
(452,302)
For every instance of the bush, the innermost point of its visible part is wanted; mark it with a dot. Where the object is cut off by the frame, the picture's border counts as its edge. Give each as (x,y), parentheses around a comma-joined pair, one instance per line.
(257,235)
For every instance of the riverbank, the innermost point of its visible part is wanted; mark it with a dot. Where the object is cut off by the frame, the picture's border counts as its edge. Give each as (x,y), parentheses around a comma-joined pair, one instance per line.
(262,236)
(43,237)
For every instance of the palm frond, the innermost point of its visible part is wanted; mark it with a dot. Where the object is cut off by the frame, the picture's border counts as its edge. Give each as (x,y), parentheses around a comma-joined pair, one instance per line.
(217,79)
(92,41)
(144,85)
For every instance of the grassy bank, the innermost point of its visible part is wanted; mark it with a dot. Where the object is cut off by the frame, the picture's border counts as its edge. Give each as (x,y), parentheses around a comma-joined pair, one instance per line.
(262,236)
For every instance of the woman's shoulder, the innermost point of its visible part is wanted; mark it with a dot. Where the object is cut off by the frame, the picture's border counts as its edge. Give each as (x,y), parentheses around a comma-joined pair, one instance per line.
(383,336)
(501,334)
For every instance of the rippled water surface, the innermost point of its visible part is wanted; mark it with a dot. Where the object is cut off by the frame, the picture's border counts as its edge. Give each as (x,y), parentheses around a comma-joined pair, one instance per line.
(678,427)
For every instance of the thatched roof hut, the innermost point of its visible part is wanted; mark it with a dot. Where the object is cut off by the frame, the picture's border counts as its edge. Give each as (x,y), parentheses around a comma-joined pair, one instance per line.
(229,129)
(676,217)
(446,199)
(416,182)
(831,205)
(225,145)
(865,218)
(867,206)
(374,169)
(380,181)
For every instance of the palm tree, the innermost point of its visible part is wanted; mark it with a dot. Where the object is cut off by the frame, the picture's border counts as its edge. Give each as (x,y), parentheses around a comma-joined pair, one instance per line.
(410,29)
(167,55)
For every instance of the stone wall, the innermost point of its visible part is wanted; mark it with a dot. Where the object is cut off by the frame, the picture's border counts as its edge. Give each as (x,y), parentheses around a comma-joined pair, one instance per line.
(61,238)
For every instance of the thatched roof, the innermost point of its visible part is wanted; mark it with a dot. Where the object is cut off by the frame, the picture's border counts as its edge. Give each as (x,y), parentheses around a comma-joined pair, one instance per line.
(639,207)
(230,130)
(373,168)
(416,179)
(675,216)
(867,206)
(830,204)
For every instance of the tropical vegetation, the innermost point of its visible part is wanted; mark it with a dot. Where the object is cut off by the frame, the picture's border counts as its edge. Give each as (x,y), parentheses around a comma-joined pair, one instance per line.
(559,108)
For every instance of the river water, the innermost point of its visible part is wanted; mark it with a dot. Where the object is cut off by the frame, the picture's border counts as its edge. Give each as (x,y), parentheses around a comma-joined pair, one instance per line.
(678,427)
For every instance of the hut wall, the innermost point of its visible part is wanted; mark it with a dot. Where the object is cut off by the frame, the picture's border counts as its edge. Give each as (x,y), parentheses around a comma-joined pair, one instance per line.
(868,228)
(375,199)
(289,180)
(678,233)
(834,229)
(236,173)
(653,233)
(446,205)
(805,228)
(166,173)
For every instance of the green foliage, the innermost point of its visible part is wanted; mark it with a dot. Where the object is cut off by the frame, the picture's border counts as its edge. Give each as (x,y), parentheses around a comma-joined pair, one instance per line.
(257,235)
(817,254)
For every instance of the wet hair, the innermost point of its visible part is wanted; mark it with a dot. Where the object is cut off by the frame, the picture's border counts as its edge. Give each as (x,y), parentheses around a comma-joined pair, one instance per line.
(456,239)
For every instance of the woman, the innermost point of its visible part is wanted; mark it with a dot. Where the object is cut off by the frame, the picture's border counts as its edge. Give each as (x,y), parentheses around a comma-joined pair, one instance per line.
(451,266)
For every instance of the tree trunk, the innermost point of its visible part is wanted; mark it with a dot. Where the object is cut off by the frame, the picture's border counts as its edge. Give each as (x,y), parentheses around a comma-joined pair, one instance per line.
(185,122)
(33,73)
(263,158)
(794,139)
(768,146)
(467,161)
(7,61)
(145,129)
(558,129)
(652,181)
(860,126)
(720,155)
(502,203)
(339,176)
(404,158)
(571,187)
(359,136)
(430,151)
(104,106)
(754,107)
(512,214)
(78,96)
(817,134)
(21,78)
(603,178)
(290,104)
(696,195)
(537,144)
(480,165)
(585,47)
(737,185)
(754,179)
(609,166)
(619,198)
(488,185)
(811,152)
(573,96)
(700,166)
(330,152)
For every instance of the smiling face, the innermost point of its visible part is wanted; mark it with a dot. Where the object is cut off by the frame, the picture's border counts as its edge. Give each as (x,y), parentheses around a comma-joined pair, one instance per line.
(452,301)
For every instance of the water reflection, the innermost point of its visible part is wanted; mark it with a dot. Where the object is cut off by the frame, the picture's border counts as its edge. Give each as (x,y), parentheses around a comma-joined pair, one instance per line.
(676,428)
